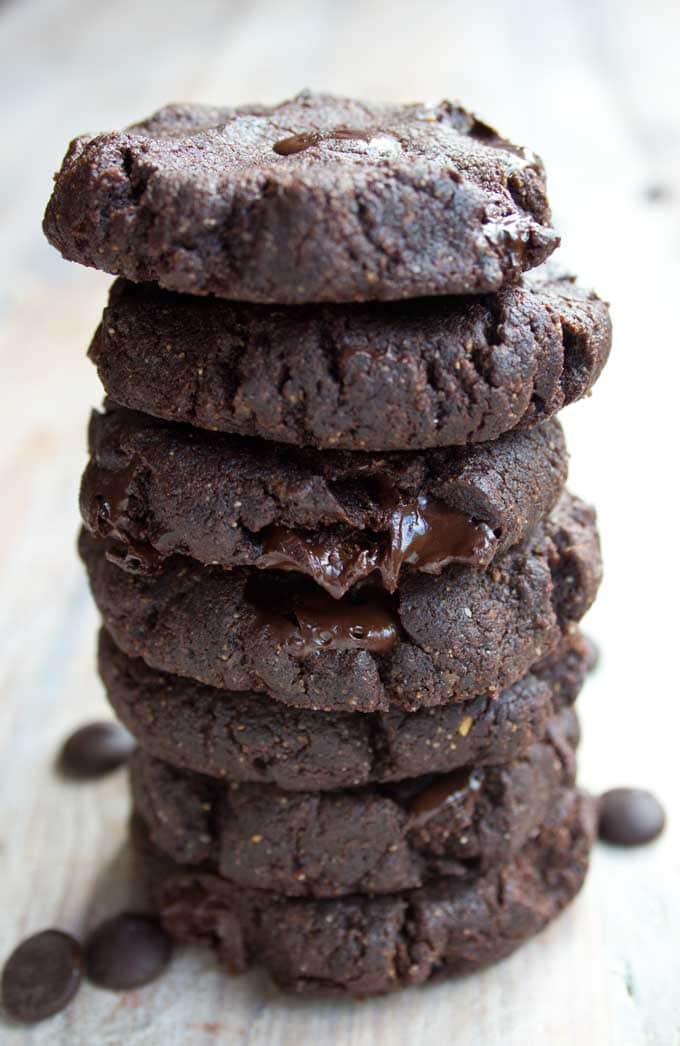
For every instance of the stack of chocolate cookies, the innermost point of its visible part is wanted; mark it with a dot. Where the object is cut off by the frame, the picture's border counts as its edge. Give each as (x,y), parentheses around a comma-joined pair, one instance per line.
(327,531)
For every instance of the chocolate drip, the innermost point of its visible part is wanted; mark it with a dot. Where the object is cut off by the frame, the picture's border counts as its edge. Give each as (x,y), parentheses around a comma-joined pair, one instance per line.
(111,519)
(313,621)
(334,564)
(298,143)
(429,536)
(442,792)
(424,534)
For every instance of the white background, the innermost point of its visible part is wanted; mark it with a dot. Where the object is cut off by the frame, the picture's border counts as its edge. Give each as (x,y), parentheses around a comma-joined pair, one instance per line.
(592,86)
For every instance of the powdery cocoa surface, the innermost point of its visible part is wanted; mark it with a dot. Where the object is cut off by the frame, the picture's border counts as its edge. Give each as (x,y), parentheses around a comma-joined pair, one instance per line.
(406,375)
(424,200)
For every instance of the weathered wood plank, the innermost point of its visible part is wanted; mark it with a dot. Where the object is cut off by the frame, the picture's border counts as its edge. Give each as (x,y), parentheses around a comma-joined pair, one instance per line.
(594,88)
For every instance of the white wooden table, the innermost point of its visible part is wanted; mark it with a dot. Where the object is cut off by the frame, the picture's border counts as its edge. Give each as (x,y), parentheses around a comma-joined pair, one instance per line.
(594,87)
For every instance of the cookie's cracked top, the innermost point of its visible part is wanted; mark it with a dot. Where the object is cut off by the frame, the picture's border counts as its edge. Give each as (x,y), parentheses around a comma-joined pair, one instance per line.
(248,737)
(316,199)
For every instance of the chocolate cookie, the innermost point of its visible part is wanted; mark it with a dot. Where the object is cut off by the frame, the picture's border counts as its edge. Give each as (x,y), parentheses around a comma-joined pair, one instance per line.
(159,489)
(378,839)
(403,376)
(368,945)
(436,640)
(249,737)
(316,199)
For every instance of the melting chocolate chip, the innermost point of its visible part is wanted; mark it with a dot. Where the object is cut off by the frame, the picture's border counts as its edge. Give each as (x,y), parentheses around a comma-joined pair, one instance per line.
(630,817)
(298,143)
(443,791)
(41,976)
(95,750)
(429,536)
(340,625)
(127,951)
(111,517)
(111,501)
(333,563)
(312,621)
(423,534)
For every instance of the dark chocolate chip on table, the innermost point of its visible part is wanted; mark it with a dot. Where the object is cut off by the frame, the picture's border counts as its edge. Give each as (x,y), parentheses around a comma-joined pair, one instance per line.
(630,817)
(41,976)
(127,951)
(94,750)
(298,143)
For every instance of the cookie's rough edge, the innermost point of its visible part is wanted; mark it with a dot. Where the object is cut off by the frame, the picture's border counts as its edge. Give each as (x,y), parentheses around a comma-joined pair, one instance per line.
(369,840)
(263,234)
(161,471)
(251,738)
(538,592)
(367,946)
(445,372)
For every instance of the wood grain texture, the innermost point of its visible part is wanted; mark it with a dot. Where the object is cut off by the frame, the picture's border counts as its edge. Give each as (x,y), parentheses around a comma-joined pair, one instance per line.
(594,87)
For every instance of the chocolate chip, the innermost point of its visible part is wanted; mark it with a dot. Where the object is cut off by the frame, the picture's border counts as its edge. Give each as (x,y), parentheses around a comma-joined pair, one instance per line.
(95,750)
(127,951)
(41,976)
(630,817)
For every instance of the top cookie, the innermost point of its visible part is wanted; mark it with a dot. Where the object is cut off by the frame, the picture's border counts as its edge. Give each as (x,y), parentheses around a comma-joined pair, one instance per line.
(316,199)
